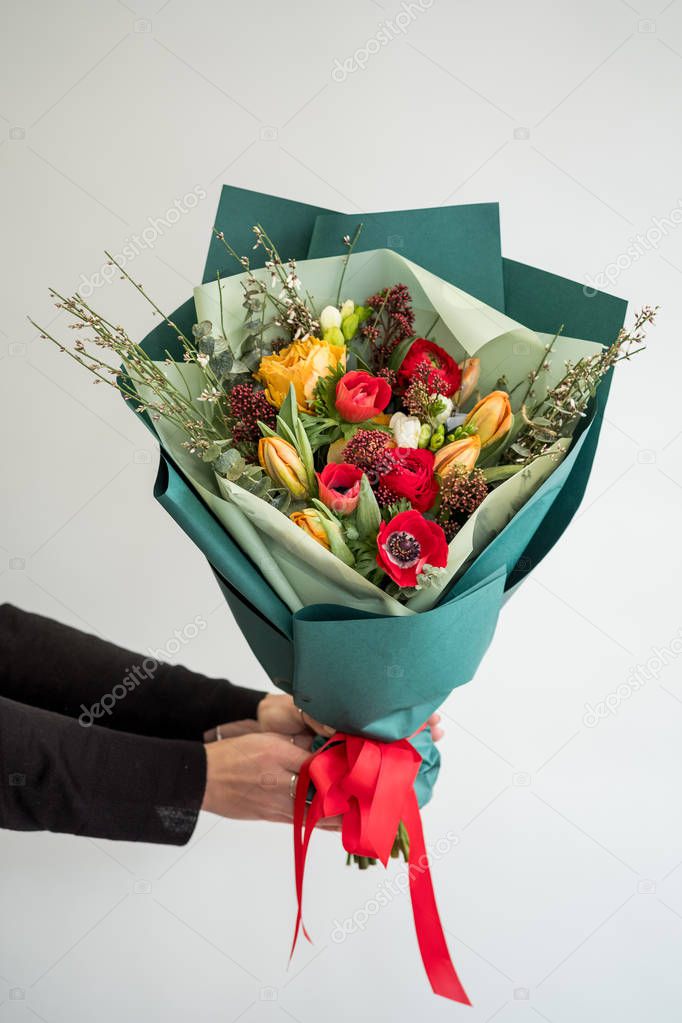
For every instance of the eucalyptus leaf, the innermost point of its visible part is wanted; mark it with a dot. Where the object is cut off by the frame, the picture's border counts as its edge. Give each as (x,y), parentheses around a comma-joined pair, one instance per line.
(230,464)
(206,345)
(221,364)
(202,330)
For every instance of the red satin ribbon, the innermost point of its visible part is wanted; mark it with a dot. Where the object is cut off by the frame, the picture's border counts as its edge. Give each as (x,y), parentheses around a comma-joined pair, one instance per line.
(371,783)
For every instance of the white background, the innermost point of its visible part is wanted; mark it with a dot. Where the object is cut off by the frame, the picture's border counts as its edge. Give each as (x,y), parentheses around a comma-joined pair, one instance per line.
(562,894)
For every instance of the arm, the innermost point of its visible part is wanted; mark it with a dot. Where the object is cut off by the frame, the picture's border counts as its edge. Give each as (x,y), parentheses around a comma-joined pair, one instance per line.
(57,668)
(56,775)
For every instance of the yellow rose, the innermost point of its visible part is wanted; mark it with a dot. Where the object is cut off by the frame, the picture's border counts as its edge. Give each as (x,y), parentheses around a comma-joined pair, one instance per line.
(302,363)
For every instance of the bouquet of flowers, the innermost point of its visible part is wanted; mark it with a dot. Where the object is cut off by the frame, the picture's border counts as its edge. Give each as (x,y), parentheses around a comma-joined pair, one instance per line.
(368,456)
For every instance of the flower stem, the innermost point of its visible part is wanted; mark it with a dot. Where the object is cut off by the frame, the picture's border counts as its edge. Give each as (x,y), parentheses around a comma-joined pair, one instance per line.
(351,246)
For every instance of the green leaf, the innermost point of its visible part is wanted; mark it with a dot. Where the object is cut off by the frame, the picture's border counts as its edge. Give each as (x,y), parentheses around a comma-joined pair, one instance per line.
(498,473)
(306,452)
(367,512)
(399,352)
(266,431)
(286,432)
(334,532)
(320,430)
(492,454)
(360,361)
(289,410)
(324,511)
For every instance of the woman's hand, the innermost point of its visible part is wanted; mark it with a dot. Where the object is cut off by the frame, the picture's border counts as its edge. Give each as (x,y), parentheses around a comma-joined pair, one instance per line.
(277,713)
(252,777)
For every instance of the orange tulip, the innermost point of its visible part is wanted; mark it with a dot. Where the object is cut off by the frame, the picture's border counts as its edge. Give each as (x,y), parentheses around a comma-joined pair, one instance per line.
(309,521)
(283,465)
(492,416)
(471,369)
(462,452)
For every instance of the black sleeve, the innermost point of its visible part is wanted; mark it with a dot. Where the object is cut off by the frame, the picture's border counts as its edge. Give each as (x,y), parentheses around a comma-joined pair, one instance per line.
(52,666)
(57,775)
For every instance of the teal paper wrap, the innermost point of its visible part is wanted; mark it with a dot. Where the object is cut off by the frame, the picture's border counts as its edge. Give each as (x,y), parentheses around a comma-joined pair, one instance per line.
(376,675)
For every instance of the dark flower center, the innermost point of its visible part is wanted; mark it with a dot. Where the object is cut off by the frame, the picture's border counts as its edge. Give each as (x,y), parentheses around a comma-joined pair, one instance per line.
(403,549)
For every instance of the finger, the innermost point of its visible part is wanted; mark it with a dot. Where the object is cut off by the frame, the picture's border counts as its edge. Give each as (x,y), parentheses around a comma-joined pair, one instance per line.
(281,795)
(316,726)
(304,740)
(231,729)
(289,754)
(291,723)
(433,723)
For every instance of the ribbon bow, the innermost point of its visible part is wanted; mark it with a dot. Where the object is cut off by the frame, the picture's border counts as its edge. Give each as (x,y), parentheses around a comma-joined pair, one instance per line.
(371,783)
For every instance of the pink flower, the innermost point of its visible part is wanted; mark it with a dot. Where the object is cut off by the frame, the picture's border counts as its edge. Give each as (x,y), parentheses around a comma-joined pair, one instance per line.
(339,484)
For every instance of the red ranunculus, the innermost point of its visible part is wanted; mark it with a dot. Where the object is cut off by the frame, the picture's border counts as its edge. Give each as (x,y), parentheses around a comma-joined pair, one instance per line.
(407,543)
(339,484)
(445,373)
(361,396)
(412,477)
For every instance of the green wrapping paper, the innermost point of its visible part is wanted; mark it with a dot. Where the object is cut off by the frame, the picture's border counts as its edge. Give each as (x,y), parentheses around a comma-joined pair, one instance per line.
(461,244)
(379,675)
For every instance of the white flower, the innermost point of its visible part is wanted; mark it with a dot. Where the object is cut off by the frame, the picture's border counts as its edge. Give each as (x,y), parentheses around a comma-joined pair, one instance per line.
(348,308)
(444,409)
(406,430)
(330,317)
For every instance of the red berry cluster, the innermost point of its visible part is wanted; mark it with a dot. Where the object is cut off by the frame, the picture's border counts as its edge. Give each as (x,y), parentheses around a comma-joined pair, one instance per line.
(460,495)
(368,449)
(392,322)
(247,406)
(425,382)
